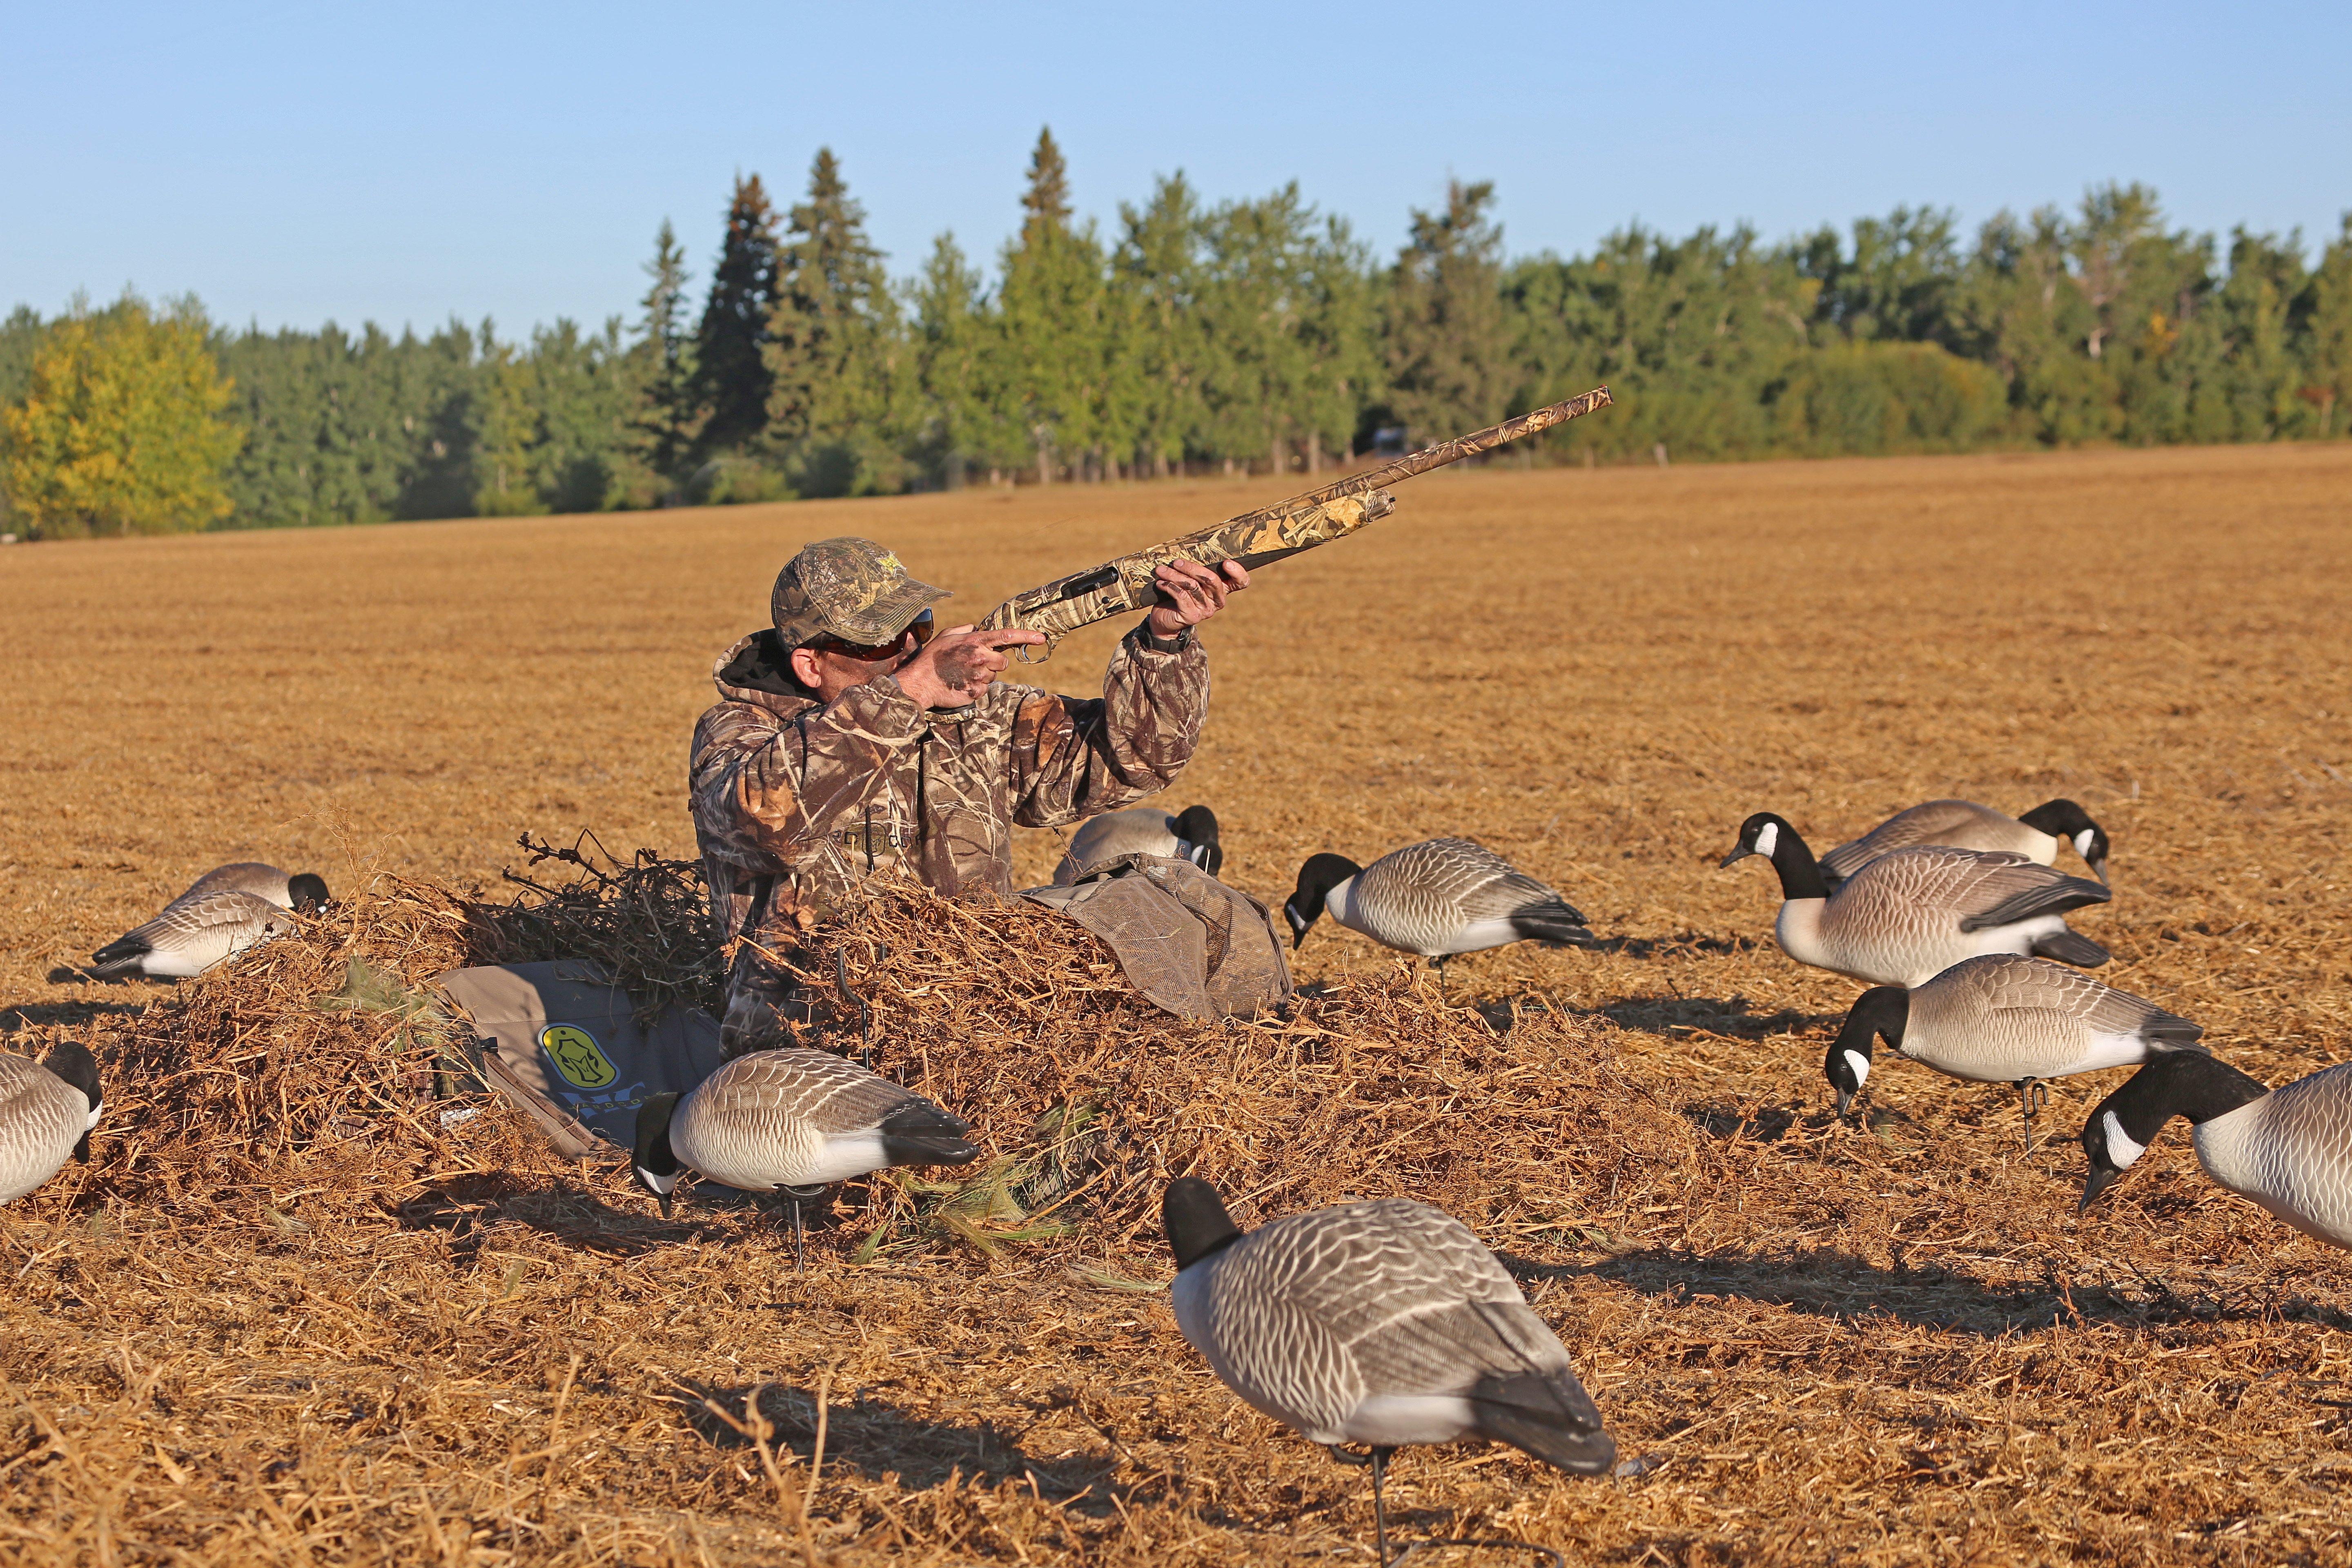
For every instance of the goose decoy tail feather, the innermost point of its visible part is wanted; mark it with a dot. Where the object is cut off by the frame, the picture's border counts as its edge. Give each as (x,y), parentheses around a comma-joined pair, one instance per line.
(2073,947)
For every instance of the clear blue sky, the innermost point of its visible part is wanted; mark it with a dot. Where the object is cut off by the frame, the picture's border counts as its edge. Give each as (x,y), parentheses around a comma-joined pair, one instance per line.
(293,163)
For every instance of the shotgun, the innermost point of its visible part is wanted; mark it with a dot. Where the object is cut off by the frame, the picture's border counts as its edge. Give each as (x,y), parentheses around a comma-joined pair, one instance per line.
(1257,538)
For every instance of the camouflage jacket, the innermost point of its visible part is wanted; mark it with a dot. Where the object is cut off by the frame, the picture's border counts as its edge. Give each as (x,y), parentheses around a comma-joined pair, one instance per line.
(795,802)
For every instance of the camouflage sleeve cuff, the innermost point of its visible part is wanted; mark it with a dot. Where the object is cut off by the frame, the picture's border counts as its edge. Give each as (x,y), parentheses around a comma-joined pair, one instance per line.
(879,708)
(1141,636)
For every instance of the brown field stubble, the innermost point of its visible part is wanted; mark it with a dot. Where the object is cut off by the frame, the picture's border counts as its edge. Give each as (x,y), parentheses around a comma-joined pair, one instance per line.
(1892,1344)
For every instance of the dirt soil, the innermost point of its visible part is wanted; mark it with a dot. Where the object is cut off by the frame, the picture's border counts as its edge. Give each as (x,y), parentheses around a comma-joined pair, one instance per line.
(1886,1343)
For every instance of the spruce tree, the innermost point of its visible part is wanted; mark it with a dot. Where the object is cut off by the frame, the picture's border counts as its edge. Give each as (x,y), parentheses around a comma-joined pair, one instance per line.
(1053,340)
(835,355)
(1158,282)
(1448,342)
(731,371)
(954,428)
(666,423)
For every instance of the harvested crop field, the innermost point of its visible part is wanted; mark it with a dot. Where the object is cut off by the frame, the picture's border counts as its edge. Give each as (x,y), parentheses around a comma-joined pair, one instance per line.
(1892,1344)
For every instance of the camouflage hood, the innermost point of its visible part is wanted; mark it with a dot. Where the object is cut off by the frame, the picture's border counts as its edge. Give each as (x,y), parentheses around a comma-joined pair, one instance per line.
(758,669)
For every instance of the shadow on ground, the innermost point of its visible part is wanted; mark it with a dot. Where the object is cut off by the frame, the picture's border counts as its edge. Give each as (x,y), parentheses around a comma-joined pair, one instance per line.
(48,1014)
(878,1440)
(1828,1282)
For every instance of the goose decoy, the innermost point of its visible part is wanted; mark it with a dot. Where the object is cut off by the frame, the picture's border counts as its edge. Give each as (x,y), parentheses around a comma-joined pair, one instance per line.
(1965,825)
(300,891)
(2289,1149)
(1907,916)
(47,1112)
(791,1121)
(2002,1018)
(1190,834)
(1383,1323)
(1437,898)
(206,926)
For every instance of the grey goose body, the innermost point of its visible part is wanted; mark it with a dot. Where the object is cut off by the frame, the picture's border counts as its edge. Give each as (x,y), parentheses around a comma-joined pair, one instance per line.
(1437,898)
(1907,916)
(2004,1018)
(47,1112)
(790,1120)
(2288,1149)
(225,911)
(1383,1323)
(1190,834)
(1965,825)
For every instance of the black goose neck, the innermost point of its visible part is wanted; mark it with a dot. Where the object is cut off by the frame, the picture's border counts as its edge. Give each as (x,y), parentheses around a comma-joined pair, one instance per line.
(652,1152)
(1197,1224)
(2060,818)
(1800,874)
(2179,1083)
(1883,1010)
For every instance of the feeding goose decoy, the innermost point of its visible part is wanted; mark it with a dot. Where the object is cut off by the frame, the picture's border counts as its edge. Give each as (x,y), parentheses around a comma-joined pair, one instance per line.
(2002,1018)
(791,1121)
(1190,834)
(2289,1149)
(1906,917)
(47,1112)
(225,912)
(1383,1323)
(1965,825)
(1437,898)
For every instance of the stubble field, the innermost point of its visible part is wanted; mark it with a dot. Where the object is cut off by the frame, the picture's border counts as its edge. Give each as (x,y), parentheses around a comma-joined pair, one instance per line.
(1890,1344)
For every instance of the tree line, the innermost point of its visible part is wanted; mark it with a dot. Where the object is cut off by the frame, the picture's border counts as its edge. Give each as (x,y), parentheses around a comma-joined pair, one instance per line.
(1257,334)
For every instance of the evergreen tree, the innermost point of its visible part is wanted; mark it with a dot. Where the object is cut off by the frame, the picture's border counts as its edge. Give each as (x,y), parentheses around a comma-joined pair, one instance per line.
(1254,312)
(1448,342)
(666,422)
(121,427)
(731,368)
(836,355)
(949,309)
(2327,355)
(1159,280)
(1053,338)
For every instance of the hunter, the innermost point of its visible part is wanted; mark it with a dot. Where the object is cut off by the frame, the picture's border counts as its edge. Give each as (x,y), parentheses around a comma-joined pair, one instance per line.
(849,738)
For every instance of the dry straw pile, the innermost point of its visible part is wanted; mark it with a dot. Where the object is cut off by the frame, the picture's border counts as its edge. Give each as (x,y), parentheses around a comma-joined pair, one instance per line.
(288,1315)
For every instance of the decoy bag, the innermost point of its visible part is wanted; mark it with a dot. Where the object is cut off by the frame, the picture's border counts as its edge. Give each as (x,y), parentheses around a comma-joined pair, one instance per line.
(562,1043)
(1190,943)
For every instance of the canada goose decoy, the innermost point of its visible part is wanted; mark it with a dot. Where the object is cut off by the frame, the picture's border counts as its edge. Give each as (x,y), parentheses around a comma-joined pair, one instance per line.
(2001,1018)
(226,911)
(791,1121)
(1907,916)
(1965,825)
(1384,1323)
(2289,1149)
(1437,898)
(1190,834)
(47,1112)
(299,891)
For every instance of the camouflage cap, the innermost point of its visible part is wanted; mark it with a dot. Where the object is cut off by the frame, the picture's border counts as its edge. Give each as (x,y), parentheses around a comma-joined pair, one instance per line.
(847,588)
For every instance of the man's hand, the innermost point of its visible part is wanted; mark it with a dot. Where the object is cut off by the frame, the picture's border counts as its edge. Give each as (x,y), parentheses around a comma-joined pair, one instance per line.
(954,667)
(1197,592)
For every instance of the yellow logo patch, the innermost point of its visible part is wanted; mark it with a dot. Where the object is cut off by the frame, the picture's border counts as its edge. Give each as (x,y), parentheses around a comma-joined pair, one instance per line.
(577,1056)
(888,560)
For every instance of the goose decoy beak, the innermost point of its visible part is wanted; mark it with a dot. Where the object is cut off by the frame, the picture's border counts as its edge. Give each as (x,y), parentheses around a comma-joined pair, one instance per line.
(2101,1178)
(2099,870)
(1735,857)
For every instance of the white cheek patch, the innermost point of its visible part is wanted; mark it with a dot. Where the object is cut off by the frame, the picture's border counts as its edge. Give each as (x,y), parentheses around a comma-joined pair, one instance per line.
(95,1112)
(2083,844)
(663,1186)
(1861,1065)
(2121,1149)
(1768,839)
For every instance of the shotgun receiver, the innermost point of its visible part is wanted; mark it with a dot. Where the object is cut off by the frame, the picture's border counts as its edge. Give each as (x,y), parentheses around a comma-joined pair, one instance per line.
(1257,538)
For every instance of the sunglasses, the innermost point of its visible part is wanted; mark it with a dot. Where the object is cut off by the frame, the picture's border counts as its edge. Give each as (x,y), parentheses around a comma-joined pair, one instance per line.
(920,628)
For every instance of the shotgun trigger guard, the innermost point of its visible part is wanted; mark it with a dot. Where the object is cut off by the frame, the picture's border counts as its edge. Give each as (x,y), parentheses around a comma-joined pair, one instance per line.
(1032,652)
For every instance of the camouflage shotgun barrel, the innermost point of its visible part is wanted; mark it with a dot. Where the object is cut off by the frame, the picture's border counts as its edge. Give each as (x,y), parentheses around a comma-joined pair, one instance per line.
(1257,538)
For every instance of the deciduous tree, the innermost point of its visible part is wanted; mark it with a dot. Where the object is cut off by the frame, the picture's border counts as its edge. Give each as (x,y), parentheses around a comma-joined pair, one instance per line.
(121,428)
